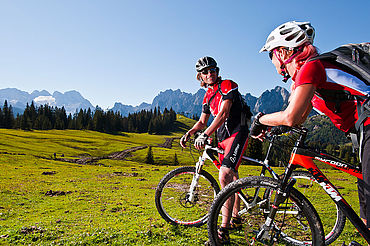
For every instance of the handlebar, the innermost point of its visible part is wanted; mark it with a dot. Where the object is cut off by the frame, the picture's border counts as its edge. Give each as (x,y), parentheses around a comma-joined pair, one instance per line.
(208,145)
(216,149)
(280,130)
(275,131)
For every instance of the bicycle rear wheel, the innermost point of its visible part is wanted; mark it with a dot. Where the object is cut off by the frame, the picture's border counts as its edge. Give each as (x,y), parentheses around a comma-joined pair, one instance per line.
(171,197)
(324,206)
(296,221)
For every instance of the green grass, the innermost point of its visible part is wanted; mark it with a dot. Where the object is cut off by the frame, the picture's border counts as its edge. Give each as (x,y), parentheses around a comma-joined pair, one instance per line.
(110,202)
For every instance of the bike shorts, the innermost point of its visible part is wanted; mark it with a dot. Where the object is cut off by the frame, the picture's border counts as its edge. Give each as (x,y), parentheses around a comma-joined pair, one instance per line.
(234,147)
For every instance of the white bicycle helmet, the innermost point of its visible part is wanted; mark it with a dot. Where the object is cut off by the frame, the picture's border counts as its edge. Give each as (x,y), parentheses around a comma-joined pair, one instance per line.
(291,34)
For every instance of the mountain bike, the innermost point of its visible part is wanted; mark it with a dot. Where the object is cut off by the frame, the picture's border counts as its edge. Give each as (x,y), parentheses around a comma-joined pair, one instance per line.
(263,197)
(184,195)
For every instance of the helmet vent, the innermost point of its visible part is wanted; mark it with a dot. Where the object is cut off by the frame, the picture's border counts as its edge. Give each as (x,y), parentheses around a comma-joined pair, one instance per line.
(286,31)
(291,37)
(301,38)
(309,32)
(270,39)
(303,27)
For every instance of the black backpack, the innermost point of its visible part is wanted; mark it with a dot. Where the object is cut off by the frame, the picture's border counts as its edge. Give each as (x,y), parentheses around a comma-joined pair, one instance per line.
(352,58)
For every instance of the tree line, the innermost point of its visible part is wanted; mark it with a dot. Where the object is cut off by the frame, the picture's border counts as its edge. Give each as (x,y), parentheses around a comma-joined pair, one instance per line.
(322,133)
(322,136)
(46,117)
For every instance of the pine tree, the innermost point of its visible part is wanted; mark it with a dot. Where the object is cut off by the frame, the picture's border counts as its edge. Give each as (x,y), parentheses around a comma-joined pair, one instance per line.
(98,120)
(149,156)
(80,120)
(8,116)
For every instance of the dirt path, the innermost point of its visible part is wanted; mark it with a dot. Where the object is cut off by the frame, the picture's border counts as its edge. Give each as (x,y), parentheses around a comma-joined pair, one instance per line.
(167,143)
(120,155)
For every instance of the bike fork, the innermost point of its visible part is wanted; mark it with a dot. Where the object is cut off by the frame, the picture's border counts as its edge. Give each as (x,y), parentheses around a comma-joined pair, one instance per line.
(194,182)
(281,195)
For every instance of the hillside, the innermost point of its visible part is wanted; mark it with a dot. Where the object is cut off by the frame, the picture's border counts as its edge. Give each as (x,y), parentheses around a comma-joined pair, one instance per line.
(45,200)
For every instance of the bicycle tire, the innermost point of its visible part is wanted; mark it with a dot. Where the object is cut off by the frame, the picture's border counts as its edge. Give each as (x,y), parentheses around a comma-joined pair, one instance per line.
(308,227)
(170,197)
(313,191)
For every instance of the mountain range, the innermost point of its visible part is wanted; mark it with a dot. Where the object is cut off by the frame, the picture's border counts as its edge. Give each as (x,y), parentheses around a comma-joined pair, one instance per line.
(191,104)
(70,100)
(181,102)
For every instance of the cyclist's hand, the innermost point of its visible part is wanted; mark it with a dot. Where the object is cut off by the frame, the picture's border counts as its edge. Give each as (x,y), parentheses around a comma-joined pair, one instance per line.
(257,129)
(184,139)
(201,141)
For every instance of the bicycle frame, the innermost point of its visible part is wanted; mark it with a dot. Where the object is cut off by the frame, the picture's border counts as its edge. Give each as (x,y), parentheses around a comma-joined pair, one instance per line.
(304,157)
(208,153)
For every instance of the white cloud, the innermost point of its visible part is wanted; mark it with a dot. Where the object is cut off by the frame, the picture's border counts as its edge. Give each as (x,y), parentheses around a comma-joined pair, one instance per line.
(45,100)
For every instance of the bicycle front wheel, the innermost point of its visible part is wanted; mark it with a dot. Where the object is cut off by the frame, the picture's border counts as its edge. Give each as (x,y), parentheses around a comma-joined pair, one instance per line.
(296,221)
(324,205)
(172,197)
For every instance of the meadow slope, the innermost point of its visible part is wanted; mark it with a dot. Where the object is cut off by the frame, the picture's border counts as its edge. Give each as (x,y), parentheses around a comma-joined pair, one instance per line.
(47,201)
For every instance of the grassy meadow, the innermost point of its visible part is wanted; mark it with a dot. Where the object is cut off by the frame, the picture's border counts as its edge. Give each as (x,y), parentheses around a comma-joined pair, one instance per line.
(46,201)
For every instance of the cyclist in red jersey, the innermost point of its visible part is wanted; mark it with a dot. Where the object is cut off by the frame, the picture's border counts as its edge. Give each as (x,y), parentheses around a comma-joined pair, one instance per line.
(225,103)
(315,83)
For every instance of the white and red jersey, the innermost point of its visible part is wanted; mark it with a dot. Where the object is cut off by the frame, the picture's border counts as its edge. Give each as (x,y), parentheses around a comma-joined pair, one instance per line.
(329,79)
(215,95)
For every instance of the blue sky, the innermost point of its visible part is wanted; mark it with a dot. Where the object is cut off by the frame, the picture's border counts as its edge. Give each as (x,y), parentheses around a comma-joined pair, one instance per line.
(129,51)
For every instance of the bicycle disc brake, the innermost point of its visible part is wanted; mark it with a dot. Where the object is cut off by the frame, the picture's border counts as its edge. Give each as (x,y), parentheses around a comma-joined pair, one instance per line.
(184,200)
(253,223)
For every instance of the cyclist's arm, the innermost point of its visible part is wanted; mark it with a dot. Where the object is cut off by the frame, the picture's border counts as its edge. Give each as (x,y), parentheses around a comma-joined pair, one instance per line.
(220,118)
(308,111)
(201,123)
(297,111)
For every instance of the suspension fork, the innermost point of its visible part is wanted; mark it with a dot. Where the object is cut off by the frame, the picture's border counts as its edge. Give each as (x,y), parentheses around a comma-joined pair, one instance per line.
(194,182)
(282,194)
(265,167)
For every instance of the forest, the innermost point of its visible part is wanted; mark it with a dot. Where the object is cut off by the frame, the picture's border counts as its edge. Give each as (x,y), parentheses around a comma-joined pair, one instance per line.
(322,133)
(45,117)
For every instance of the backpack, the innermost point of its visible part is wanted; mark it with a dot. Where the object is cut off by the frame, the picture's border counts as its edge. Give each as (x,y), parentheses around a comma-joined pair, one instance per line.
(355,60)
(352,58)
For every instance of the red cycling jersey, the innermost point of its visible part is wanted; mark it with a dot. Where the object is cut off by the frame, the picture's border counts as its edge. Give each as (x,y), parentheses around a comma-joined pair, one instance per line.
(232,137)
(224,90)
(325,76)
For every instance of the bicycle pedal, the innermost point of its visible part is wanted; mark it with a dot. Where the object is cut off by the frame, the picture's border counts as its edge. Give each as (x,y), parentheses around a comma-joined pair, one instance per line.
(354,243)
(236,224)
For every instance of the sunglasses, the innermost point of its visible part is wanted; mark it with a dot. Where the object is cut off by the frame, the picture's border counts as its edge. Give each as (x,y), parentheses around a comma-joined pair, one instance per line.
(212,70)
(271,53)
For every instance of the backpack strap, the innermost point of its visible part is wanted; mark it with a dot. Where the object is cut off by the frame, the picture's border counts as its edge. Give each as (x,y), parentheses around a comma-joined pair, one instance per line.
(336,96)
(206,106)
(363,110)
(214,95)
(245,110)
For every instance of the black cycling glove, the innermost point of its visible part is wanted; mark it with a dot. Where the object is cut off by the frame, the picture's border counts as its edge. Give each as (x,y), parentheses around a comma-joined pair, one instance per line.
(257,128)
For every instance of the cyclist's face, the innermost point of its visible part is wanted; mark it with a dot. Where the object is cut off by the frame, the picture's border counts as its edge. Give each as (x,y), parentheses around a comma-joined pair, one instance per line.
(209,75)
(275,60)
